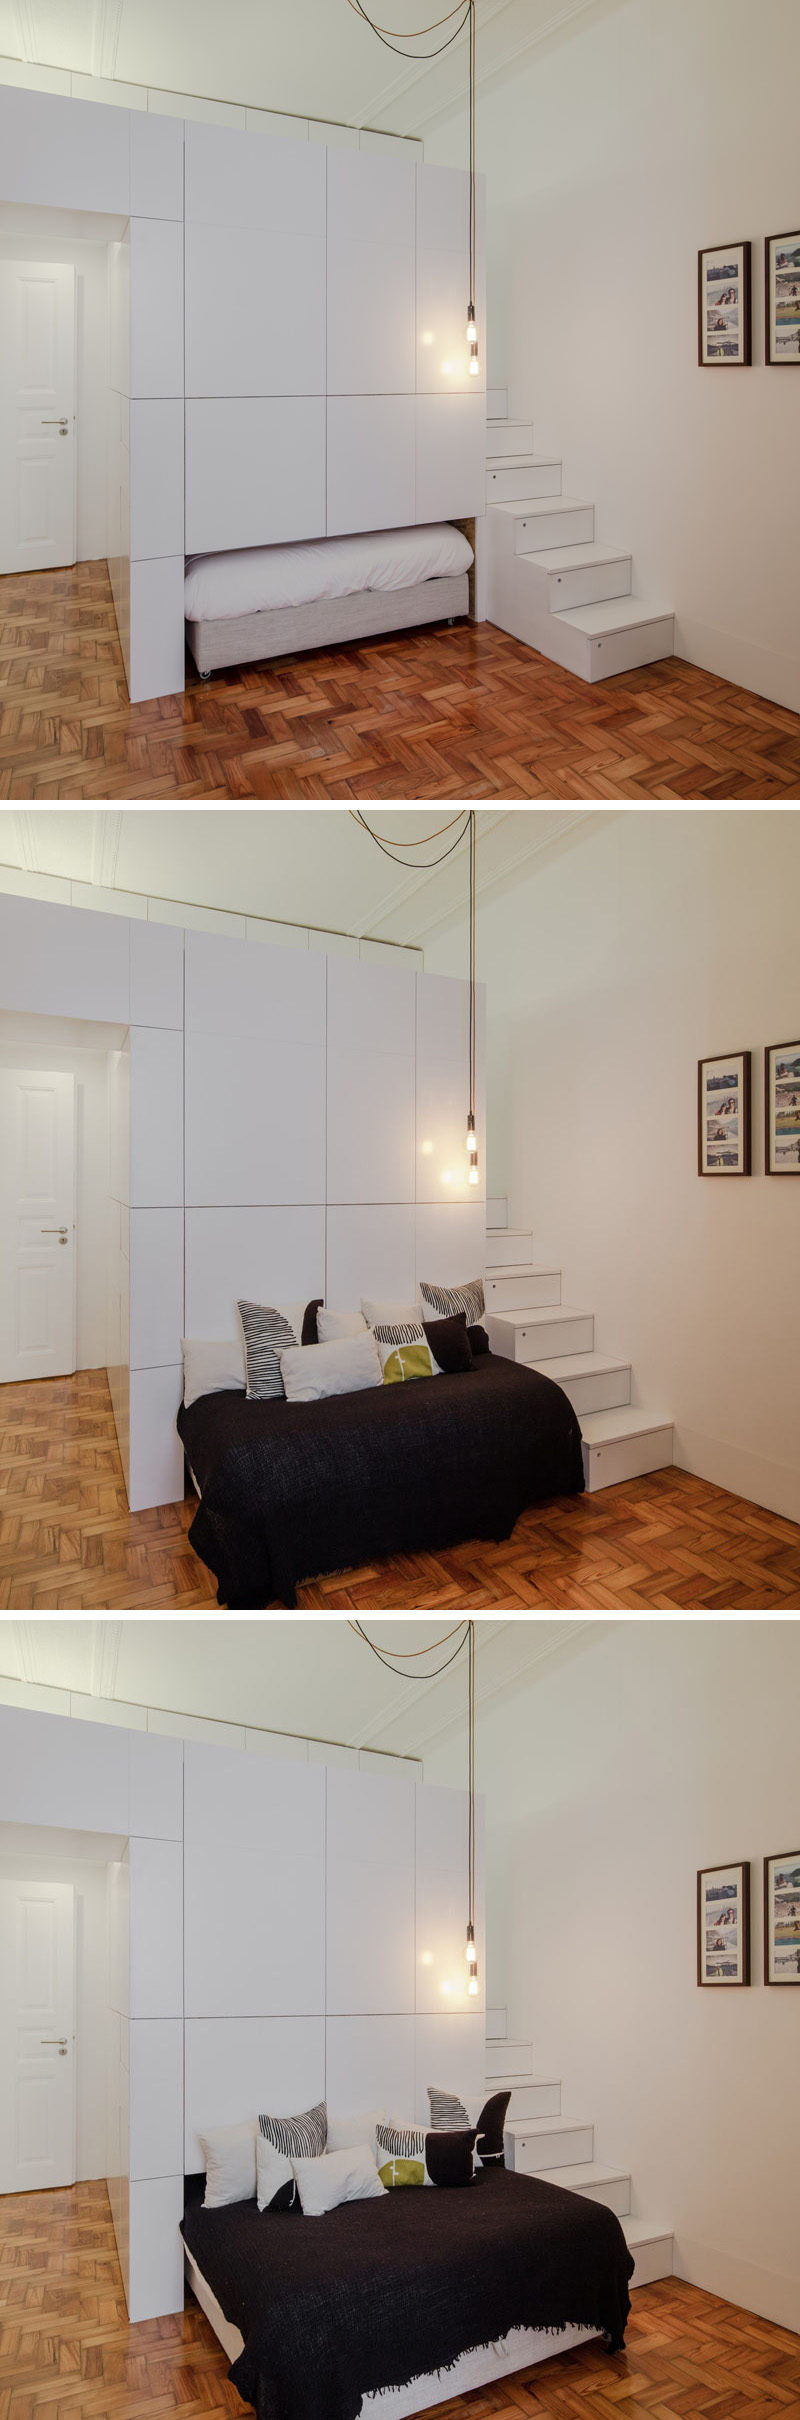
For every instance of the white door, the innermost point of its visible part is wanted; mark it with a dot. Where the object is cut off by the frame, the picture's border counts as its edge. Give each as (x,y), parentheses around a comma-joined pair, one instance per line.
(37,2035)
(37,1224)
(37,415)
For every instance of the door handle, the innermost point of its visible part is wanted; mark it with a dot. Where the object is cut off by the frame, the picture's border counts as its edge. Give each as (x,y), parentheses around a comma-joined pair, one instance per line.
(61,1232)
(60,2045)
(63,425)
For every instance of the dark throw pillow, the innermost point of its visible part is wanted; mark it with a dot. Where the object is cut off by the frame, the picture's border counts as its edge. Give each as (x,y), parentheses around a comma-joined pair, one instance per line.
(478,1341)
(449,1343)
(448,2157)
(309,1334)
(490,2144)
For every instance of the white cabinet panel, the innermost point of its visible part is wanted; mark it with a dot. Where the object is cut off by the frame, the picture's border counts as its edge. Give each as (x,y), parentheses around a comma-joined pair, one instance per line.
(233,990)
(370,1933)
(372,1252)
(156,1116)
(156,307)
(156,1454)
(370,1819)
(156,974)
(255,471)
(118,1907)
(370,317)
(57,1772)
(229,1798)
(370,2065)
(156,165)
(156,2109)
(255,1918)
(443,213)
(370,1126)
(450,2054)
(69,155)
(367,192)
(156,1255)
(370,462)
(441,1827)
(375,1004)
(253,180)
(451,456)
(443,353)
(156,1786)
(442,1903)
(451,1242)
(156,448)
(157,659)
(254,1120)
(236,2067)
(156,2250)
(156,1868)
(63,961)
(255,311)
(271,1256)
(442,1017)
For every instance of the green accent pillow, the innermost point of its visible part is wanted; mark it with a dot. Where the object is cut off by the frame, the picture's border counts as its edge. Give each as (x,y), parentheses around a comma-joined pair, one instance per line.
(402,2172)
(407,1361)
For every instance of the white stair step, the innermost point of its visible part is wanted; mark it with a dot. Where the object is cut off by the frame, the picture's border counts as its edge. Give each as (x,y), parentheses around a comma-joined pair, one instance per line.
(497,403)
(597,641)
(539,2096)
(652,2247)
(539,1336)
(565,576)
(509,1245)
(523,1287)
(592,1382)
(496,1216)
(509,436)
(496,2018)
(623,1444)
(522,475)
(509,2058)
(548,2142)
(609,2185)
(544,521)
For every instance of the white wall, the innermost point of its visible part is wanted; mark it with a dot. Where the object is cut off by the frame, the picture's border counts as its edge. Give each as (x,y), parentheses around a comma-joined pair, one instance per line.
(613,153)
(89,1883)
(89,1070)
(641,943)
(662,1747)
(90,263)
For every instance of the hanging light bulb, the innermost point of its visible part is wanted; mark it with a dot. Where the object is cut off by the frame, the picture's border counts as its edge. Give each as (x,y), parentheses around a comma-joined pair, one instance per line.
(474,366)
(472,1139)
(473,1173)
(472,327)
(472,1954)
(472,1985)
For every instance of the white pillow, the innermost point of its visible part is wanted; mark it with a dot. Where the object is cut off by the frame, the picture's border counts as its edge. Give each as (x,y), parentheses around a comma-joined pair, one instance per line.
(346,2134)
(230,2157)
(333,1324)
(390,1314)
(310,1371)
(274,2174)
(211,1367)
(339,2176)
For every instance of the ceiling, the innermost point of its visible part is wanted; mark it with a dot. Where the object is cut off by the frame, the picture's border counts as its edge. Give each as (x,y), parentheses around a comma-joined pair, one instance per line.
(314,1678)
(315,58)
(314,866)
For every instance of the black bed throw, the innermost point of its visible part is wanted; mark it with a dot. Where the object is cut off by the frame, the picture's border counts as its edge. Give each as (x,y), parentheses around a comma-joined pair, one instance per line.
(375,2294)
(293,1489)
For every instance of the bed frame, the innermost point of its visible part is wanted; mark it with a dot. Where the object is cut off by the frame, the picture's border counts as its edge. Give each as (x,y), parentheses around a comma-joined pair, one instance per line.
(248,638)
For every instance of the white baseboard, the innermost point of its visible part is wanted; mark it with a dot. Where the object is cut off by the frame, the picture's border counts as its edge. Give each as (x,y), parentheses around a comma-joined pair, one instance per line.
(740,660)
(772,2295)
(774,1484)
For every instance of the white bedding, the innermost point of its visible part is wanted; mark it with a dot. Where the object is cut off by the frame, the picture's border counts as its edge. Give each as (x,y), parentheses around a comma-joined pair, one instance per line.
(256,578)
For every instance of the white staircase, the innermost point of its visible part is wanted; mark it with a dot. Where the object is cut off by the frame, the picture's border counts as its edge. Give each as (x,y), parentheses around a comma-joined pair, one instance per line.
(542,2141)
(549,581)
(528,1321)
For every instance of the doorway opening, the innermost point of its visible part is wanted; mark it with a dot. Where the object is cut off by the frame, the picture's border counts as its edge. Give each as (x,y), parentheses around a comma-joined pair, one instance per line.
(57,416)
(61,1993)
(63,1267)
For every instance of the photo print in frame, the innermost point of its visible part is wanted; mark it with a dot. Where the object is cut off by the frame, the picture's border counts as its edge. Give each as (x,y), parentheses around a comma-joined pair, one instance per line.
(782,291)
(723,1115)
(723,1926)
(782,1918)
(782,1108)
(724,312)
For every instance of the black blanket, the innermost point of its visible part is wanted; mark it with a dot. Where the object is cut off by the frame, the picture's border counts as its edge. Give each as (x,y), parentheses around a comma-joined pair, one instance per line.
(292,1489)
(377,2293)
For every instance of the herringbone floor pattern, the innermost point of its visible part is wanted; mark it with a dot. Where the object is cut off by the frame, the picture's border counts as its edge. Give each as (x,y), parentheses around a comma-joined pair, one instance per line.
(666,1542)
(462,713)
(67,2351)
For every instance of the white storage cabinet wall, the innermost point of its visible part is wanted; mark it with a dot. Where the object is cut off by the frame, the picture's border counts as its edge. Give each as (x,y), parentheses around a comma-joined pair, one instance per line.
(301,330)
(351,1986)
(283,1125)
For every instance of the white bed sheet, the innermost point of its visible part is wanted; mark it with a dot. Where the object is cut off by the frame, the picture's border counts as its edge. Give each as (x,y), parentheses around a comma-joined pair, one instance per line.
(256,578)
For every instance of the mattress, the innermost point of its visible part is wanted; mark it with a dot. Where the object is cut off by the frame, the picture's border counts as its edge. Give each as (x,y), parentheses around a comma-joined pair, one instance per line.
(259,579)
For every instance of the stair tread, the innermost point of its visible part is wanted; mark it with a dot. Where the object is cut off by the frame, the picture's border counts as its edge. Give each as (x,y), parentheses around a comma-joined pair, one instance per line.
(601,1428)
(519,1268)
(536,2080)
(542,1315)
(613,613)
(577,558)
(523,462)
(583,2172)
(580,1365)
(548,2125)
(509,1231)
(645,2230)
(502,421)
(527,508)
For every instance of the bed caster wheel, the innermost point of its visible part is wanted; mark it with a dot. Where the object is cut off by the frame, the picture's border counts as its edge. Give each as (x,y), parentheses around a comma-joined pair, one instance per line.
(205,676)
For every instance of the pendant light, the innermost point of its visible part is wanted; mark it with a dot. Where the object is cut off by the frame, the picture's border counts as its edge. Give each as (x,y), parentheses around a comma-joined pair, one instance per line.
(466,828)
(463,14)
(395,1664)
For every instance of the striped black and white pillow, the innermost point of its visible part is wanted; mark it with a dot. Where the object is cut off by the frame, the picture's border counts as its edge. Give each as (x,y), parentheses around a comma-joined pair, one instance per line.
(268,1332)
(446,1300)
(301,2137)
(448,2113)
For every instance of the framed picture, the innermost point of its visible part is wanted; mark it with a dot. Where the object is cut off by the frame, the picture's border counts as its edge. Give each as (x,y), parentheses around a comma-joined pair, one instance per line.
(782,289)
(782,1918)
(723,1115)
(723,1926)
(782,1108)
(724,323)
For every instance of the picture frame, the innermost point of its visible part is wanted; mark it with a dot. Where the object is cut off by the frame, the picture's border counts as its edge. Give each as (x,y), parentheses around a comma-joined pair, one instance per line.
(723,1927)
(723,1115)
(782,1918)
(724,307)
(782,1109)
(782,300)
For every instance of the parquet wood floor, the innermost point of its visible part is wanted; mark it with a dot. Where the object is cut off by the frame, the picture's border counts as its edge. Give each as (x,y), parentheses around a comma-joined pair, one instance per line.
(461,713)
(68,2352)
(666,1542)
